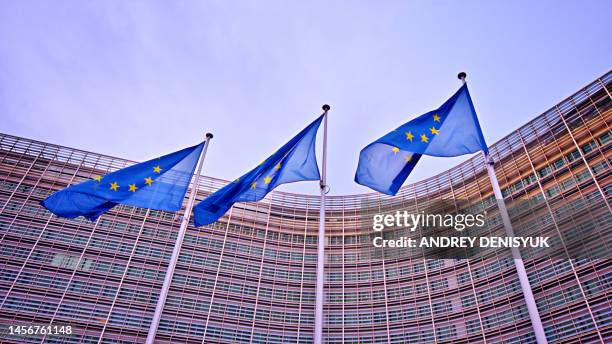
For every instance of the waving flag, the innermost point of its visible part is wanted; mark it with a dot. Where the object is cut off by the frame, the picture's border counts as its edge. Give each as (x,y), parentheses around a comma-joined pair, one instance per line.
(295,161)
(159,184)
(451,130)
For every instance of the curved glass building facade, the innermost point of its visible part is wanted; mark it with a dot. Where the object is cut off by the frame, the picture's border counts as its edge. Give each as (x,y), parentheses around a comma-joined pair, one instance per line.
(250,277)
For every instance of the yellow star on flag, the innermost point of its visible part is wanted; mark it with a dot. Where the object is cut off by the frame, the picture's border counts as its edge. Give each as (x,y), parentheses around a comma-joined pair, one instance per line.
(434,131)
(424,138)
(148,181)
(253,185)
(133,187)
(97,178)
(114,186)
(409,136)
(395,150)
(157,169)
(408,158)
(277,167)
(436,118)
(267,180)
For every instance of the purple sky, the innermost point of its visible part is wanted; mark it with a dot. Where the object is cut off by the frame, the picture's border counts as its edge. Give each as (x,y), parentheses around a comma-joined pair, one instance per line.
(138,79)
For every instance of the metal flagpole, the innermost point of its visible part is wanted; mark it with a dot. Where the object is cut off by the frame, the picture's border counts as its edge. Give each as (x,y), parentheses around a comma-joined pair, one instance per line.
(532,308)
(318,330)
(177,248)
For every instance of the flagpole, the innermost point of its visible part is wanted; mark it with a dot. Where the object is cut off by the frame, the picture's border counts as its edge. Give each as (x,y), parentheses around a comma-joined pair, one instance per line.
(532,308)
(318,330)
(177,247)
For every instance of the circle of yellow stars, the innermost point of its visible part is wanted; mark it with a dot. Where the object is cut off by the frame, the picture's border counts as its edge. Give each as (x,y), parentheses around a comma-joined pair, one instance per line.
(267,179)
(114,186)
(423,137)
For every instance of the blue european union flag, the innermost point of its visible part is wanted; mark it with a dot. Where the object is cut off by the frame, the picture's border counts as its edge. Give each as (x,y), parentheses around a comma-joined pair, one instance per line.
(295,161)
(450,130)
(159,184)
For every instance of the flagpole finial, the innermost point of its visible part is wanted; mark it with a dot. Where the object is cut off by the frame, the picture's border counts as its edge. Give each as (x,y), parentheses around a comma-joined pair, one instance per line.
(326,107)
(461,76)
(209,135)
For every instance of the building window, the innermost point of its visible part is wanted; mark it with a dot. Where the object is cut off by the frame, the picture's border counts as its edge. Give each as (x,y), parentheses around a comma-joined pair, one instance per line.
(589,146)
(604,138)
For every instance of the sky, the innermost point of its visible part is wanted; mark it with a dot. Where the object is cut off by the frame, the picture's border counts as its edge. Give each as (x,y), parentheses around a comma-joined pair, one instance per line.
(139,79)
